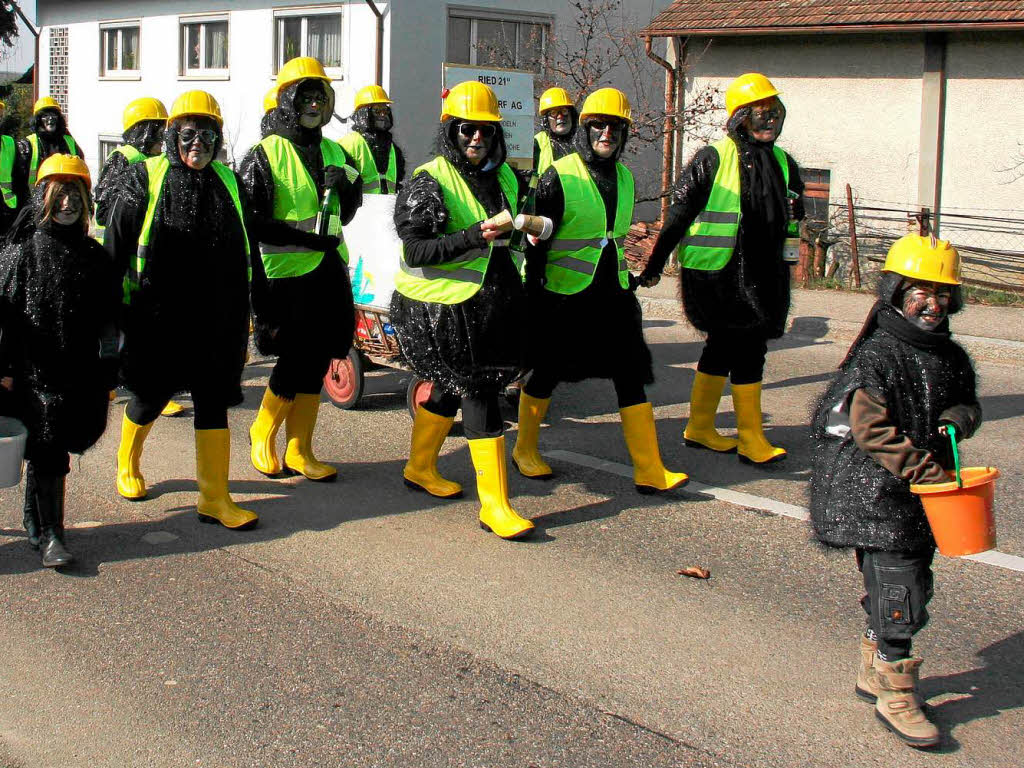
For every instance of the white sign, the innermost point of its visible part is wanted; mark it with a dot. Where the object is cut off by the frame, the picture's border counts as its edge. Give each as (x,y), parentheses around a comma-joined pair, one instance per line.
(514,90)
(373,251)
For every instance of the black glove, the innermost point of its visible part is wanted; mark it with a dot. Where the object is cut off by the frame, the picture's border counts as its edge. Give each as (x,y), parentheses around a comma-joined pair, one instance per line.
(965,418)
(634,282)
(317,242)
(335,178)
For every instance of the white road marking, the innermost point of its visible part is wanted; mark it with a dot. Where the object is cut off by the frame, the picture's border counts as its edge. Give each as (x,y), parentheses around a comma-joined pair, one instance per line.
(750,501)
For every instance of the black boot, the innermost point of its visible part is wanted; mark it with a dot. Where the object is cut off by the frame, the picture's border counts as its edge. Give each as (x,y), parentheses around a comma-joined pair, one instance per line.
(50,496)
(31,519)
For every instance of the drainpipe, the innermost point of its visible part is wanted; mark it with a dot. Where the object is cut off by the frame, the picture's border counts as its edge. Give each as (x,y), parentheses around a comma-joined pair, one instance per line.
(669,127)
(35,33)
(380,40)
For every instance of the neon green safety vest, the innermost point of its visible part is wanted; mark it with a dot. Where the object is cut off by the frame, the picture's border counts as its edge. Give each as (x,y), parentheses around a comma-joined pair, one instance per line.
(547,155)
(33,169)
(133,156)
(297,205)
(8,150)
(156,168)
(455,281)
(360,151)
(711,239)
(581,237)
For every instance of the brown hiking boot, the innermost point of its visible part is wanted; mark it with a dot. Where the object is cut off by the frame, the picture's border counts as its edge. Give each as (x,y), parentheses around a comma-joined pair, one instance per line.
(898,705)
(867,678)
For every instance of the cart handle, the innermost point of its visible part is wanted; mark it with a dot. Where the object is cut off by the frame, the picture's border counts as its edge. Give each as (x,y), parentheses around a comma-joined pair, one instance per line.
(950,431)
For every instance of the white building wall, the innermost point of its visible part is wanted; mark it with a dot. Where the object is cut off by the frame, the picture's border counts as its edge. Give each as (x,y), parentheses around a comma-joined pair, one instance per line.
(853,103)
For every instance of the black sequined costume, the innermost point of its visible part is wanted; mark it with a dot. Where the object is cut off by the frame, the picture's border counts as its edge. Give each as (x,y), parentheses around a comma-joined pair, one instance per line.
(186,329)
(141,136)
(61,298)
(309,319)
(747,301)
(919,376)
(474,348)
(598,332)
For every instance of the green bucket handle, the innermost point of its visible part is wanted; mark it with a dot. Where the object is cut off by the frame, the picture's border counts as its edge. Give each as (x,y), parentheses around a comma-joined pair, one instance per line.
(950,431)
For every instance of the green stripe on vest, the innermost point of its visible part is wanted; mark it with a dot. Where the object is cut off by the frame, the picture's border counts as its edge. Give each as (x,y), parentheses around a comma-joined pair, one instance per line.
(297,204)
(547,155)
(8,149)
(711,239)
(577,245)
(454,281)
(33,168)
(357,147)
(156,169)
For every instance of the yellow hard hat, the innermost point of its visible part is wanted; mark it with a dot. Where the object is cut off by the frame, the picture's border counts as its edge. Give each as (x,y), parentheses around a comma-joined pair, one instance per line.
(301,68)
(146,108)
(371,94)
(3,104)
(196,103)
(471,101)
(553,98)
(63,166)
(270,99)
(746,89)
(45,102)
(607,101)
(924,258)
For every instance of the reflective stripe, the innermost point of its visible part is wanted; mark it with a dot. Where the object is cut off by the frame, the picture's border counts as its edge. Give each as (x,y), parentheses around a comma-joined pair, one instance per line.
(371,186)
(573,264)
(710,241)
(462,274)
(719,217)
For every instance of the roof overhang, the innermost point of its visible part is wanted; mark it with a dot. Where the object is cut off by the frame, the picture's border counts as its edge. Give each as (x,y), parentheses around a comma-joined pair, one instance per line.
(836,29)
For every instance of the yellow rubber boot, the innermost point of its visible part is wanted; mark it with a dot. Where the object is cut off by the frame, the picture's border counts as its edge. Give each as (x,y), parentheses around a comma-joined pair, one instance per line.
(649,474)
(130,482)
(496,513)
(213,456)
(753,447)
(525,454)
(263,433)
(428,433)
(700,430)
(299,426)
(173,408)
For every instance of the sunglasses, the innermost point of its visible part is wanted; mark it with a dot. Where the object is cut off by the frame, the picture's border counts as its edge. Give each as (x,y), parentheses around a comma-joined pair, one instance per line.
(600,125)
(207,136)
(469,130)
(382,110)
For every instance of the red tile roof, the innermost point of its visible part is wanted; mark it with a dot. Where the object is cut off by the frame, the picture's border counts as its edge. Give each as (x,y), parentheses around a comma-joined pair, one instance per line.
(735,17)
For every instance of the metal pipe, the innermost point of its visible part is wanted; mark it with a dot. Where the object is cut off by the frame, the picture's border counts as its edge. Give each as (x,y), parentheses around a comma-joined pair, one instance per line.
(669,125)
(380,41)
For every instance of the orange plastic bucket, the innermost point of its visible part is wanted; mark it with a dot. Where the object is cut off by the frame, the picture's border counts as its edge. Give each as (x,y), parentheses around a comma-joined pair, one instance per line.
(961,516)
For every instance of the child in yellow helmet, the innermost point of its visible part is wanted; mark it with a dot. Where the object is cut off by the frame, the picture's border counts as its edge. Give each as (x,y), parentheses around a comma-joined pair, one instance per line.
(876,432)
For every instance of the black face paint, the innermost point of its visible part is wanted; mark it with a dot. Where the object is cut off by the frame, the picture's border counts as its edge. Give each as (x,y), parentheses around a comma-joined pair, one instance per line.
(475,146)
(605,135)
(49,122)
(69,205)
(925,304)
(380,117)
(311,103)
(559,121)
(765,120)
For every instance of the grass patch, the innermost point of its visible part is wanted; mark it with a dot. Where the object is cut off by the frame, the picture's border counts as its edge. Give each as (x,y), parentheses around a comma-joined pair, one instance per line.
(992,297)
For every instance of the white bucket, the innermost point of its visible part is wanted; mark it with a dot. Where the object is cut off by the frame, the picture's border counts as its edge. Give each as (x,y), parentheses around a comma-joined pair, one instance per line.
(12,450)
(791,250)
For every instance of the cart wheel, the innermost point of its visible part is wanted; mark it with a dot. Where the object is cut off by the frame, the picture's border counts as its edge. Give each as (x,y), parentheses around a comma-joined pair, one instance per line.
(418,393)
(344,380)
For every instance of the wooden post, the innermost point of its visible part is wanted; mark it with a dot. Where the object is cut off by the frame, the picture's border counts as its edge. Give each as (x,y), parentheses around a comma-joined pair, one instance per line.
(854,255)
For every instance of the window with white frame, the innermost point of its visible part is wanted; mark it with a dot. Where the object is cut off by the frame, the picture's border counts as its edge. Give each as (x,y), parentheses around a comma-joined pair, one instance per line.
(119,48)
(204,45)
(513,41)
(309,32)
(108,143)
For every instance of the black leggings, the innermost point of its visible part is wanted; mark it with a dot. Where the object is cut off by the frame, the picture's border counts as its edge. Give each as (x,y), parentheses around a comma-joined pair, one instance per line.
(738,355)
(481,416)
(210,413)
(897,588)
(629,389)
(46,460)
(299,372)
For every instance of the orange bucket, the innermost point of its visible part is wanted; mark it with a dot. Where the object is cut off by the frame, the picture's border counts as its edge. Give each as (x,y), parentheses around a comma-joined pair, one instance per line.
(961,514)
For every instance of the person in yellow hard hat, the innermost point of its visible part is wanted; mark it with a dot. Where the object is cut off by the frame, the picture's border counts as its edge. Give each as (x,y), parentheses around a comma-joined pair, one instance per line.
(301,294)
(48,135)
(9,204)
(877,432)
(143,122)
(733,208)
(180,224)
(559,120)
(269,105)
(459,304)
(59,305)
(370,145)
(579,279)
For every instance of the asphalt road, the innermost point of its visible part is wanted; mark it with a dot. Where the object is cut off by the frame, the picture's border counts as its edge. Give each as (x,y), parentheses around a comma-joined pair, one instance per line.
(365,625)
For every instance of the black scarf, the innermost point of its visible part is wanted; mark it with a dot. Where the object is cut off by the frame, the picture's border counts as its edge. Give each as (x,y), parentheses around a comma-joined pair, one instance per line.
(892,320)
